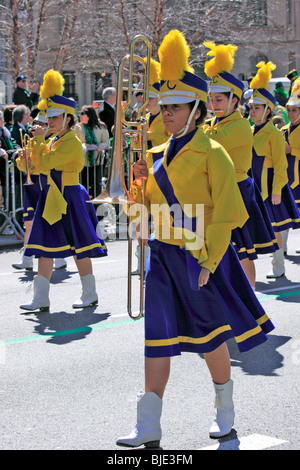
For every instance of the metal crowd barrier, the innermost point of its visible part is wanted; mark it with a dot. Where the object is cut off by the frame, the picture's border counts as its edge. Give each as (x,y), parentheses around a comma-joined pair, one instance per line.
(93,179)
(13,196)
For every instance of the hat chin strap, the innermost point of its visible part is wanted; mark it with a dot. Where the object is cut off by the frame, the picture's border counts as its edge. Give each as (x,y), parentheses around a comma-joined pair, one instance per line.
(264,115)
(229,104)
(186,127)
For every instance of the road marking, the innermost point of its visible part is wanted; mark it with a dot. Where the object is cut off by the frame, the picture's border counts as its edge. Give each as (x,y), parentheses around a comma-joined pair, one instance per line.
(85,329)
(112,324)
(278,289)
(252,442)
(278,296)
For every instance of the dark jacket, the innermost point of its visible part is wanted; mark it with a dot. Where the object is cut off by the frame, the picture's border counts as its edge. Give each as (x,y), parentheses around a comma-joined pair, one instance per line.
(108,117)
(15,134)
(22,96)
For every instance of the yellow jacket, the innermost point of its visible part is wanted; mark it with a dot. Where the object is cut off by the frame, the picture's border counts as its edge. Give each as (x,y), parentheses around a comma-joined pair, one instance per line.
(158,134)
(294,141)
(66,155)
(203,179)
(269,143)
(234,133)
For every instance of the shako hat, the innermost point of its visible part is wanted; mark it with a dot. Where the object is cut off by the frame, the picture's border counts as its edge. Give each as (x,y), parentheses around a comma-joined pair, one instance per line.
(51,93)
(260,83)
(178,83)
(219,68)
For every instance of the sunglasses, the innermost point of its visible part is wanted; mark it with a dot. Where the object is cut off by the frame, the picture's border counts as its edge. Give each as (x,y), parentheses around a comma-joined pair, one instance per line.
(83,113)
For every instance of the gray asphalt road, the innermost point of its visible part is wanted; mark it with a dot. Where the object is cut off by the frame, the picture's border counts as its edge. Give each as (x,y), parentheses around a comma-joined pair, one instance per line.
(68,379)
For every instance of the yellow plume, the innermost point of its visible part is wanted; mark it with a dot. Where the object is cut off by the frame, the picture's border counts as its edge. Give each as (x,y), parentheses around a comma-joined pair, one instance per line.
(53,84)
(174,53)
(296,86)
(154,71)
(263,76)
(223,58)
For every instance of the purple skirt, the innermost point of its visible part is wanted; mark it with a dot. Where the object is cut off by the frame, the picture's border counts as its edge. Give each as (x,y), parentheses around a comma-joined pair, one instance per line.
(284,215)
(181,317)
(31,196)
(78,233)
(257,235)
(296,190)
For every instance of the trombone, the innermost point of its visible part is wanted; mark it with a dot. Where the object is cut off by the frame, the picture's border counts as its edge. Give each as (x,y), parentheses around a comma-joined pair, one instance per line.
(27,151)
(116,191)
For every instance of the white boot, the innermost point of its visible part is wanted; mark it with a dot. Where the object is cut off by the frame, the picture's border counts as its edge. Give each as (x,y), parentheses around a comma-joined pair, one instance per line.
(147,430)
(60,263)
(285,235)
(278,269)
(224,418)
(40,300)
(26,263)
(138,255)
(89,295)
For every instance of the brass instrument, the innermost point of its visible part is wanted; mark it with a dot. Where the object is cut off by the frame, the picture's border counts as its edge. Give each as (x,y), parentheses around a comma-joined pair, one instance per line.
(27,151)
(116,191)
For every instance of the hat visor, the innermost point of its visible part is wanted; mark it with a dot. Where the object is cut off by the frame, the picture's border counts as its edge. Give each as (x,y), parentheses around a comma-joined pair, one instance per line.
(219,89)
(54,112)
(153,95)
(175,100)
(255,100)
(293,102)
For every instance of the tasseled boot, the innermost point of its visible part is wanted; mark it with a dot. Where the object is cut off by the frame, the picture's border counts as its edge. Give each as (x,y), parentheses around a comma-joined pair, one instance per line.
(89,295)
(147,431)
(278,269)
(40,300)
(138,255)
(26,263)
(224,418)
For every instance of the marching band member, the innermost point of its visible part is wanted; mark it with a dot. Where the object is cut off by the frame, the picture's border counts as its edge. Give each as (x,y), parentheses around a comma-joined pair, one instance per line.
(269,164)
(65,224)
(291,134)
(233,132)
(197,295)
(31,196)
(156,135)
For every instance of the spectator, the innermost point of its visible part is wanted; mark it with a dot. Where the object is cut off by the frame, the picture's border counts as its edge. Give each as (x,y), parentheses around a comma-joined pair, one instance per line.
(280,94)
(292,76)
(21,118)
(8,116)
(107,115)
(22,95)
(95,138)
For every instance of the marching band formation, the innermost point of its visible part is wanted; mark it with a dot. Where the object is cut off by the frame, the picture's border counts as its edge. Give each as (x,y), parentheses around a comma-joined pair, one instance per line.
(200,274)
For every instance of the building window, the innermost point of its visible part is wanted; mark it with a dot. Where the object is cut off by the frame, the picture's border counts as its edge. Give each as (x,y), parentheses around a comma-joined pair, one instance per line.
(70,88)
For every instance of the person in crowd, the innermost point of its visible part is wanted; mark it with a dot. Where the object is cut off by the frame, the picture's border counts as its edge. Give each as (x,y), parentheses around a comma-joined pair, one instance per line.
(21,118)
(95,138)
(22,95)
(65,224)
(269,164)
(292,76)
(7,148)
(231,130)
(280,94)
(291,133)
(196,291)
(8,116)
(246,98)
(107,115)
